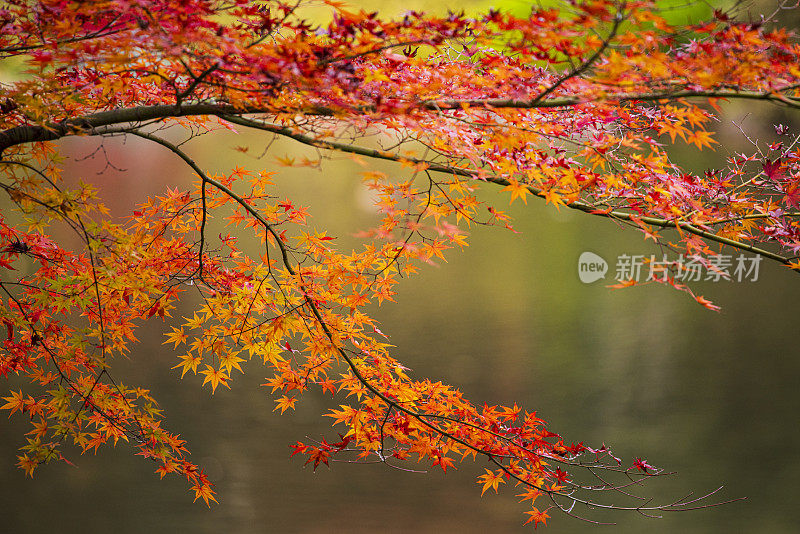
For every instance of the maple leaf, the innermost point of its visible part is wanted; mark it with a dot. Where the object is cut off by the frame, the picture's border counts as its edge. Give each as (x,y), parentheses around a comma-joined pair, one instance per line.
(774,170)
(177,337)
(166,468)
(229,361)
(14,402)
(792,198)
(317,455)
(553,197)
(444,462)
(328,386)
(537,517)
(189,363)
(518,190)
(285,161)
(27,464)
(298,448)
(706,303)
(623,284)
(673,129)
(530,494)
(215,376)
(204,491)
(284,403)
(491,480)
(642,465)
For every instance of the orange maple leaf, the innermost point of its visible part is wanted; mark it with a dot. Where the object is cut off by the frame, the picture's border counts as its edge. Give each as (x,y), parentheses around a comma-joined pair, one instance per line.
(284,403)
(204,491)
(707,303)
(518,190)
(490,480)
(537,517)
(700,138)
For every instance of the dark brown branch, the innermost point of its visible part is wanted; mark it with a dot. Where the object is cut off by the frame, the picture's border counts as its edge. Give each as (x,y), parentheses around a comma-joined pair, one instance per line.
(618,18)
(90,124)
(482,175)
(87,124)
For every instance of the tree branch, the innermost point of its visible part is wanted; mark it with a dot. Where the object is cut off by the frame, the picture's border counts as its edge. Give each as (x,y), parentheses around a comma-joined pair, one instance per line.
(86,124)
(482,175)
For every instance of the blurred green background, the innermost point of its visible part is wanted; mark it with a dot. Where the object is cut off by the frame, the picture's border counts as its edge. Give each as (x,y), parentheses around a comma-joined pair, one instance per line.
(712,396)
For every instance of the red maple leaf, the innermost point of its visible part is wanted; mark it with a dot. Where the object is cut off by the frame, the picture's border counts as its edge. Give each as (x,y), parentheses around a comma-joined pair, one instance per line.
(774,170)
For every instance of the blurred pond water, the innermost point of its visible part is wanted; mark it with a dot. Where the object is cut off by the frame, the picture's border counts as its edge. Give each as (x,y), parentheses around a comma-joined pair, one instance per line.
(712,396)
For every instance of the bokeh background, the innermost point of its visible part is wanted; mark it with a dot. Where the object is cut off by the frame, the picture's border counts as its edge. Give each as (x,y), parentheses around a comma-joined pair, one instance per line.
(711,396)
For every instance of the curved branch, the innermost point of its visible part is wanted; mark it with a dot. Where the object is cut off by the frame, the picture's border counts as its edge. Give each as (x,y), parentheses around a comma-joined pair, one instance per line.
(392,404)
(580,69)
(93,125)
(90,124)
(775,97)
(482,175)
(422,418)
(87,124)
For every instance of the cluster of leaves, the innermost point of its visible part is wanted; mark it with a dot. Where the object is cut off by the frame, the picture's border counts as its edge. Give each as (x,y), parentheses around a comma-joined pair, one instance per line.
(572,106)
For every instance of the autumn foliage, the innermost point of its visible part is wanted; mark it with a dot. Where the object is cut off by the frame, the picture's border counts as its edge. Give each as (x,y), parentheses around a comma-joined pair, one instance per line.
(573,106)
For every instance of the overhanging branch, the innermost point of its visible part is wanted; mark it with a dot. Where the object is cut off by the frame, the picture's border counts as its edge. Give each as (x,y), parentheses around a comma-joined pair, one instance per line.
(482,175)
(87,124)
(105,122)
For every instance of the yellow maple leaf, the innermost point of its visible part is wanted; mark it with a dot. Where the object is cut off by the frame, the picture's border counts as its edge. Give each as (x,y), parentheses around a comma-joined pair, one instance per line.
(177,336)
(189,363)
(230,361)
(14,402)
(518,190)
(216,377)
